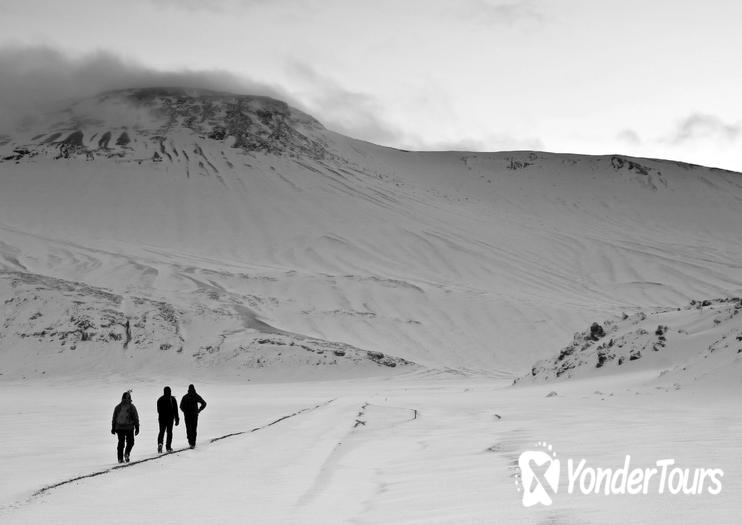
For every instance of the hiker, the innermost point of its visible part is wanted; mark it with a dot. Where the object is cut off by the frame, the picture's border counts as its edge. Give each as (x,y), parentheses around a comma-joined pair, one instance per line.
(167,412)
(189,404)
(125,423)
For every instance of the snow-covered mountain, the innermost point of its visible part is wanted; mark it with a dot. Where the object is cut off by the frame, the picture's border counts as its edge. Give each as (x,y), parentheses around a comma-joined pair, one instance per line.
(177,229)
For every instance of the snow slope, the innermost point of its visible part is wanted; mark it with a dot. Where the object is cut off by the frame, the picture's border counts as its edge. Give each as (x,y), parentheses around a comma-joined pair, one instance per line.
(354,316)
(252,211)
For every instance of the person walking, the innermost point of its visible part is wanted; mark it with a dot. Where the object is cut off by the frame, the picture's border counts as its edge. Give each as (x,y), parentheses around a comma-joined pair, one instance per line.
(125,423)
(167,412)
(189,404)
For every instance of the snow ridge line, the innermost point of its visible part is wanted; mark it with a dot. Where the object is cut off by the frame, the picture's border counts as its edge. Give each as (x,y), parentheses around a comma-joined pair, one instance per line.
(177,451)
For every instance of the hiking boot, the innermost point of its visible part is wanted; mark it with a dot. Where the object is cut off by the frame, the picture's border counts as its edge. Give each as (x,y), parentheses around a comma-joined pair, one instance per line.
(121,460)
(159,448)
(126,458)
(169,449)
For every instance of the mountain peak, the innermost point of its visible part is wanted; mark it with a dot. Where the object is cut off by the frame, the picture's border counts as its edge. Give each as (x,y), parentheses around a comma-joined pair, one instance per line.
(124,123)
(208,104)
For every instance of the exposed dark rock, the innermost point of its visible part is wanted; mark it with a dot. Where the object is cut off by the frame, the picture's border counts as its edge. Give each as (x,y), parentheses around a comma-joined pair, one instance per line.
(218,133)
(123,139)
(596,331)
(104,140)
(74,139)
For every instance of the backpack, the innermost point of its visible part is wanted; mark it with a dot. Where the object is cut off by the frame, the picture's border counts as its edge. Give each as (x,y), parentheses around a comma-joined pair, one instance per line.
(124,416)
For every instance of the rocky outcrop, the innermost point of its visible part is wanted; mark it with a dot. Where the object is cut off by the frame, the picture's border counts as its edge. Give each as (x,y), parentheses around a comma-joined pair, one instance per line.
(646,336)
(57,317)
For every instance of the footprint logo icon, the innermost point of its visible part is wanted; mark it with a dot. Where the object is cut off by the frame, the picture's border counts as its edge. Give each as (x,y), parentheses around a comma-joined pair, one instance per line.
(539,475)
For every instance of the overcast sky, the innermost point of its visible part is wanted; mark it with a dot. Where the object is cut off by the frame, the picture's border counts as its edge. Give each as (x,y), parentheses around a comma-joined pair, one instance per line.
(660,78)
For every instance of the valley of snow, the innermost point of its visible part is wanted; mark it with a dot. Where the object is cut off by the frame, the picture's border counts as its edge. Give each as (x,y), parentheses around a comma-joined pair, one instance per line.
(419,449)
(153,237)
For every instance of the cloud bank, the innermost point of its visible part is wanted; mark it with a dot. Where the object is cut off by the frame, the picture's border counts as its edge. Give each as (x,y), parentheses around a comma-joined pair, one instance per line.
(700,126)
(36,79)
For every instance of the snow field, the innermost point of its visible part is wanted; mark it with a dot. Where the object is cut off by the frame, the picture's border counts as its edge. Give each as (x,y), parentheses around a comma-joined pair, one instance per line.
(411,449)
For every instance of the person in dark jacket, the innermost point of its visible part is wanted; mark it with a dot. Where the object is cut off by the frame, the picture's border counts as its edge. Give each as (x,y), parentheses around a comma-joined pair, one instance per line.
(189,404)
(125,423)
(167,412)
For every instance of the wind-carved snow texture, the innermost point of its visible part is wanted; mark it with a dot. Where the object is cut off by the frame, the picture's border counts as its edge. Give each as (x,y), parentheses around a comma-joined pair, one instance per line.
(278,244)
